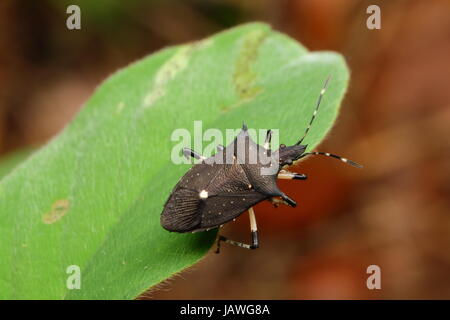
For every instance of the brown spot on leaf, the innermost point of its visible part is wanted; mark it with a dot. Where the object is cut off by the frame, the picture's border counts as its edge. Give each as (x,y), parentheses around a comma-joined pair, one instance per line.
(59,209)
(244,77)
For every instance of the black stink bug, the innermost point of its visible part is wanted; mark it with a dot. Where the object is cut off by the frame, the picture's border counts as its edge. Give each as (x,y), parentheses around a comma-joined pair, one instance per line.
(222,187)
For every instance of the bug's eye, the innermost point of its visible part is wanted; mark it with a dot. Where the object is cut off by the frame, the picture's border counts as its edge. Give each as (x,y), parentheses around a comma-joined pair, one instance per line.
(282,146)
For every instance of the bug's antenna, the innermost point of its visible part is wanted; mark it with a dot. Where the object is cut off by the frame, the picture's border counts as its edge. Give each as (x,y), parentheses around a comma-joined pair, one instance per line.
(315,110)
(345,160)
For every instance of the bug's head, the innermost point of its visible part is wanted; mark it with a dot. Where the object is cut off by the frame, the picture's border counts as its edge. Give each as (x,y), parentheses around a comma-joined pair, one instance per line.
(290,154)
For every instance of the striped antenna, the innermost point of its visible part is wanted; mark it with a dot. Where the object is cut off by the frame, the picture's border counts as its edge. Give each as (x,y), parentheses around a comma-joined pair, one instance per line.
(350,162)
(315,110)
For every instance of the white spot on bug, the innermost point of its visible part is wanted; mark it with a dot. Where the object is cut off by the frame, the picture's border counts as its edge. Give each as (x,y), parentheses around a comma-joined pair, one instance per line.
(344,159)
(203,194)
(322,91)
(249,186)
(327,154)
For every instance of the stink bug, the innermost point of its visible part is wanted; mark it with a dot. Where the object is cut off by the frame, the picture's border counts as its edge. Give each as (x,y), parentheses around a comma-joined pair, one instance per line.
(222,187)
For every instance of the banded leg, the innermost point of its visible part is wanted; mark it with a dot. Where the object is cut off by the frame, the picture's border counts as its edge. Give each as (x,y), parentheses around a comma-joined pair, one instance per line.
(268,139)
(291,175)
(254,232)
(189,153)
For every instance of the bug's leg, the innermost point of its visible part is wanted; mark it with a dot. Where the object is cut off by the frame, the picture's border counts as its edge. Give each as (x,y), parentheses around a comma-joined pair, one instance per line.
(189,153)
(254,232)
(289,201)
(253,229)
(268,139)
(277,202)
(291,175)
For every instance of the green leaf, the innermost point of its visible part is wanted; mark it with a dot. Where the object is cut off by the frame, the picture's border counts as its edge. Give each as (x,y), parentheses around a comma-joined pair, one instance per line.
(92,197)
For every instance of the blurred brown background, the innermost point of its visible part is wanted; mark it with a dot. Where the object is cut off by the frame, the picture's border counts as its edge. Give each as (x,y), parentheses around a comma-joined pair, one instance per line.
(395,120)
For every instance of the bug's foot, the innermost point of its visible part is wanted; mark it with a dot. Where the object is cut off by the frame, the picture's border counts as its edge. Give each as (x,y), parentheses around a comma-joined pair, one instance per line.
(289,201)
(276,202)
(300,176)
